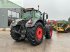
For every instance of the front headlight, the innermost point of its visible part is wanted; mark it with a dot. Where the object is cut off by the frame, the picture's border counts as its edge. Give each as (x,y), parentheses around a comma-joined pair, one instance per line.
(13,21)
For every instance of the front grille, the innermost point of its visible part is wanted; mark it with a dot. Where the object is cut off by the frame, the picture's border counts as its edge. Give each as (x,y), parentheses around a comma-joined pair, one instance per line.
(16,28)
(22,22)
(20,26)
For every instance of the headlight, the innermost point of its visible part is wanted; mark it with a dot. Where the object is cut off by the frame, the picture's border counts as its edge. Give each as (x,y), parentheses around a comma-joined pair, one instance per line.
(13,22)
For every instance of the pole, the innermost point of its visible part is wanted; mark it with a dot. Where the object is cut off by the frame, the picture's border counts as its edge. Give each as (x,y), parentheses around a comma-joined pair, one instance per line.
(38,7)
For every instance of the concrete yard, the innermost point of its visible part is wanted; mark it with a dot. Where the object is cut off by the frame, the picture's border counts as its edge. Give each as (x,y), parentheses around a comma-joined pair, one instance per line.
(60,42)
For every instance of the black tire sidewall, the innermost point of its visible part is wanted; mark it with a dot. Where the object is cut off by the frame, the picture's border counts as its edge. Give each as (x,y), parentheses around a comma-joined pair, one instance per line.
(47,35)
(15,36)
(33,30)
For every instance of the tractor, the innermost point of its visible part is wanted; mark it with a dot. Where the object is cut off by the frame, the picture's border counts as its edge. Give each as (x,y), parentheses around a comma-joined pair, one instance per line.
(32,26)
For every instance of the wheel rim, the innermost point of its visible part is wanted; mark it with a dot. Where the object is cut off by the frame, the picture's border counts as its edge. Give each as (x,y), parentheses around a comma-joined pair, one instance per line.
(51,32)
(39,33)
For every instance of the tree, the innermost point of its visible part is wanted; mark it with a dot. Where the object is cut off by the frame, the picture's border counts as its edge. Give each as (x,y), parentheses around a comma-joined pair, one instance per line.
(69,19)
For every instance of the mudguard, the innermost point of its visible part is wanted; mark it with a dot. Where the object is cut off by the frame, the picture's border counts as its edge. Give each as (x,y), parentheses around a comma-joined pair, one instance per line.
(15,22)
(48,27)
(33,22)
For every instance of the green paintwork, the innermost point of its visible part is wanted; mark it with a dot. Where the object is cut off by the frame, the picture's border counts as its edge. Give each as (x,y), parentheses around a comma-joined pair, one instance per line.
(35,15)
(31,14)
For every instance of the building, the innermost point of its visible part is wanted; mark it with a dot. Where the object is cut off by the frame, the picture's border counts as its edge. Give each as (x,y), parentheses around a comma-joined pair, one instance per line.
(8,10)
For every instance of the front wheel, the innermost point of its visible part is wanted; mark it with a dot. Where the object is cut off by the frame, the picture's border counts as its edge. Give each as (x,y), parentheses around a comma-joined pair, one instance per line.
(35,34)
(48,33)
(14,35)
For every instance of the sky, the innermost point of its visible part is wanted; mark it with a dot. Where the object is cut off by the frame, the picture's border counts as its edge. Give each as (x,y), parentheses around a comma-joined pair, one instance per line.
(56,9)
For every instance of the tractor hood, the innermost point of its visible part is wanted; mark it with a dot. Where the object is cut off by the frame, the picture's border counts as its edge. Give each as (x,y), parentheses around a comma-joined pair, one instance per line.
(14,23)
(19,22)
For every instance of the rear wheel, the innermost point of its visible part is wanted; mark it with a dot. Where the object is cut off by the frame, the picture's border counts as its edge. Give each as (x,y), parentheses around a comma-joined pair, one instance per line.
(48,33)
(35,34)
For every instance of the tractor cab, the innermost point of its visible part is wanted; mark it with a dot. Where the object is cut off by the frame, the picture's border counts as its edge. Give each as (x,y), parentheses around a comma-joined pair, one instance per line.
(33,13)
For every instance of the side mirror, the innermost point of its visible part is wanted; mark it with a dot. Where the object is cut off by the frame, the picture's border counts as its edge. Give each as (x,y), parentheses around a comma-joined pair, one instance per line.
(45,16)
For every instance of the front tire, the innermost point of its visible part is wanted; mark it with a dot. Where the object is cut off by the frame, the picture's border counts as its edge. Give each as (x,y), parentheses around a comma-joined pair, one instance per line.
(14,35)
(35,34)
(48,33)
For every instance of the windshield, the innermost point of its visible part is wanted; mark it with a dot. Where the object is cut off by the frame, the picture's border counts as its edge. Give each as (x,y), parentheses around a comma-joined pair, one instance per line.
(27,15)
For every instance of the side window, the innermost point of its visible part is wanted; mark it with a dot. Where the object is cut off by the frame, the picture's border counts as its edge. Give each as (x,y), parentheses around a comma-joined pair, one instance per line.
(37,14)
(17,15)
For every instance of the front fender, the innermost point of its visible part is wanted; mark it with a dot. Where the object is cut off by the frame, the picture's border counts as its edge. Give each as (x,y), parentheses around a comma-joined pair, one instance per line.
(15,22)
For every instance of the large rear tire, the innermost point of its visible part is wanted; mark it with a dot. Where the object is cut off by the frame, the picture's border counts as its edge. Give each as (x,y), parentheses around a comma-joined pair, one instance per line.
(35,34)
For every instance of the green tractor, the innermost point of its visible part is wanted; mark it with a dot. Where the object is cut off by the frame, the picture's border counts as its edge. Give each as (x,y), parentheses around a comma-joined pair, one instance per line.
(32,25)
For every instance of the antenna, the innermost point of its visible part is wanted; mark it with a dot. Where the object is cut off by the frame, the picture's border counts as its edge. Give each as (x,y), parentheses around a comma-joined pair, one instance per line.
(38,7)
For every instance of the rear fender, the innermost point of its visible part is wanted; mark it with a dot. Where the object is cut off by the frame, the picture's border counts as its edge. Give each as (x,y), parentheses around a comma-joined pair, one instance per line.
(33,23)
(48,27)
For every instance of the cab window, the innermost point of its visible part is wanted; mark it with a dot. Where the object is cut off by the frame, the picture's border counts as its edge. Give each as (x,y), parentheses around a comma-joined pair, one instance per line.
(37,14)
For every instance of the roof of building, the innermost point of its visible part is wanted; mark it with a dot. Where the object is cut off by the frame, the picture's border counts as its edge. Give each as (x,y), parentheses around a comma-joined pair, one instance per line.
(8,4)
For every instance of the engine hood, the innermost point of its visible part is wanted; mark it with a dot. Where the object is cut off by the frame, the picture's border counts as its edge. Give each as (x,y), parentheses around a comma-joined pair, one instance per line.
(18,22)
